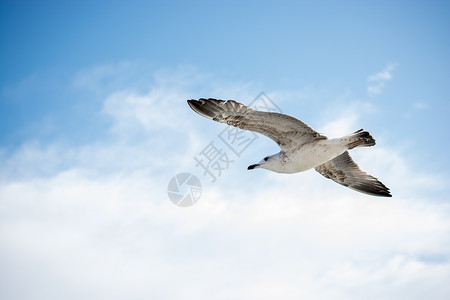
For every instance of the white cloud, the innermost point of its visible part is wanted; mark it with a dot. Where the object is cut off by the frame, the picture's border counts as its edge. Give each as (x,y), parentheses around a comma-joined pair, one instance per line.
(99,224)
(301,236)
(378,81)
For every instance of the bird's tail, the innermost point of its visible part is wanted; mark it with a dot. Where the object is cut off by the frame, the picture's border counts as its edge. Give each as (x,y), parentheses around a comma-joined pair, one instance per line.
(359,138)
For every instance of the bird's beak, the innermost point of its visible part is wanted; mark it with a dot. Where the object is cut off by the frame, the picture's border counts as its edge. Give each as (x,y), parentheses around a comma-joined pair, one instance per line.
(251,167)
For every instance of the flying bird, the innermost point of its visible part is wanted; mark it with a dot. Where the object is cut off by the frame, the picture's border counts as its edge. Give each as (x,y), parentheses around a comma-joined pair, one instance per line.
(302,148)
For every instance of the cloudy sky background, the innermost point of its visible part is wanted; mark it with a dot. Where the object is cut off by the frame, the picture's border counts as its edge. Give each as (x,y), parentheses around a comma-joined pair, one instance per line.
(93,125)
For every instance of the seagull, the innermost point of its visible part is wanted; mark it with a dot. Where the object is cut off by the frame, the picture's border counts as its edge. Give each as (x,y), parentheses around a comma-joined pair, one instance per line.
(302,148)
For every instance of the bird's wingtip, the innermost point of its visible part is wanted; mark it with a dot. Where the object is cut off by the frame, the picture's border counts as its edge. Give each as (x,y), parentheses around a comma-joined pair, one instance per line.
(192,104)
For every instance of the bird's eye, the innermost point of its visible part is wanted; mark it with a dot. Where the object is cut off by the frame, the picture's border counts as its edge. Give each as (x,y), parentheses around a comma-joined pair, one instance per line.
(266,158)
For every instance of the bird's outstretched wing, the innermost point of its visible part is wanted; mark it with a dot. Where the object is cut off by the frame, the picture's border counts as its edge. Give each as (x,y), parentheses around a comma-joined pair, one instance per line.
(345,171)
(286,131)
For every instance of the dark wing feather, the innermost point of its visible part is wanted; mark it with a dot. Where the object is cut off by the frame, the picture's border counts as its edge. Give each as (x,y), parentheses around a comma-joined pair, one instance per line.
(345,171)
(286,131)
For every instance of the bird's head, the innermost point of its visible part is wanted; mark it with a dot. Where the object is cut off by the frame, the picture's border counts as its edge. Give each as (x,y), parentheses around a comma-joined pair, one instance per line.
(271,162)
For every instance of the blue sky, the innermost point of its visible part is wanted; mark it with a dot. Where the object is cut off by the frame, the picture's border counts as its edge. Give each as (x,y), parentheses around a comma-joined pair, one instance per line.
(93,121)
(279,46)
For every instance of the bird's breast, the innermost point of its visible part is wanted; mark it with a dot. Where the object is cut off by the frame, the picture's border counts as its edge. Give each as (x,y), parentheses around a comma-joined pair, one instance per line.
(312,155)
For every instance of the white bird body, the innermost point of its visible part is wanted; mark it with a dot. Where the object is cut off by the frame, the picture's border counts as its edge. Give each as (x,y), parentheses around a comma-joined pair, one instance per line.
(310,155)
